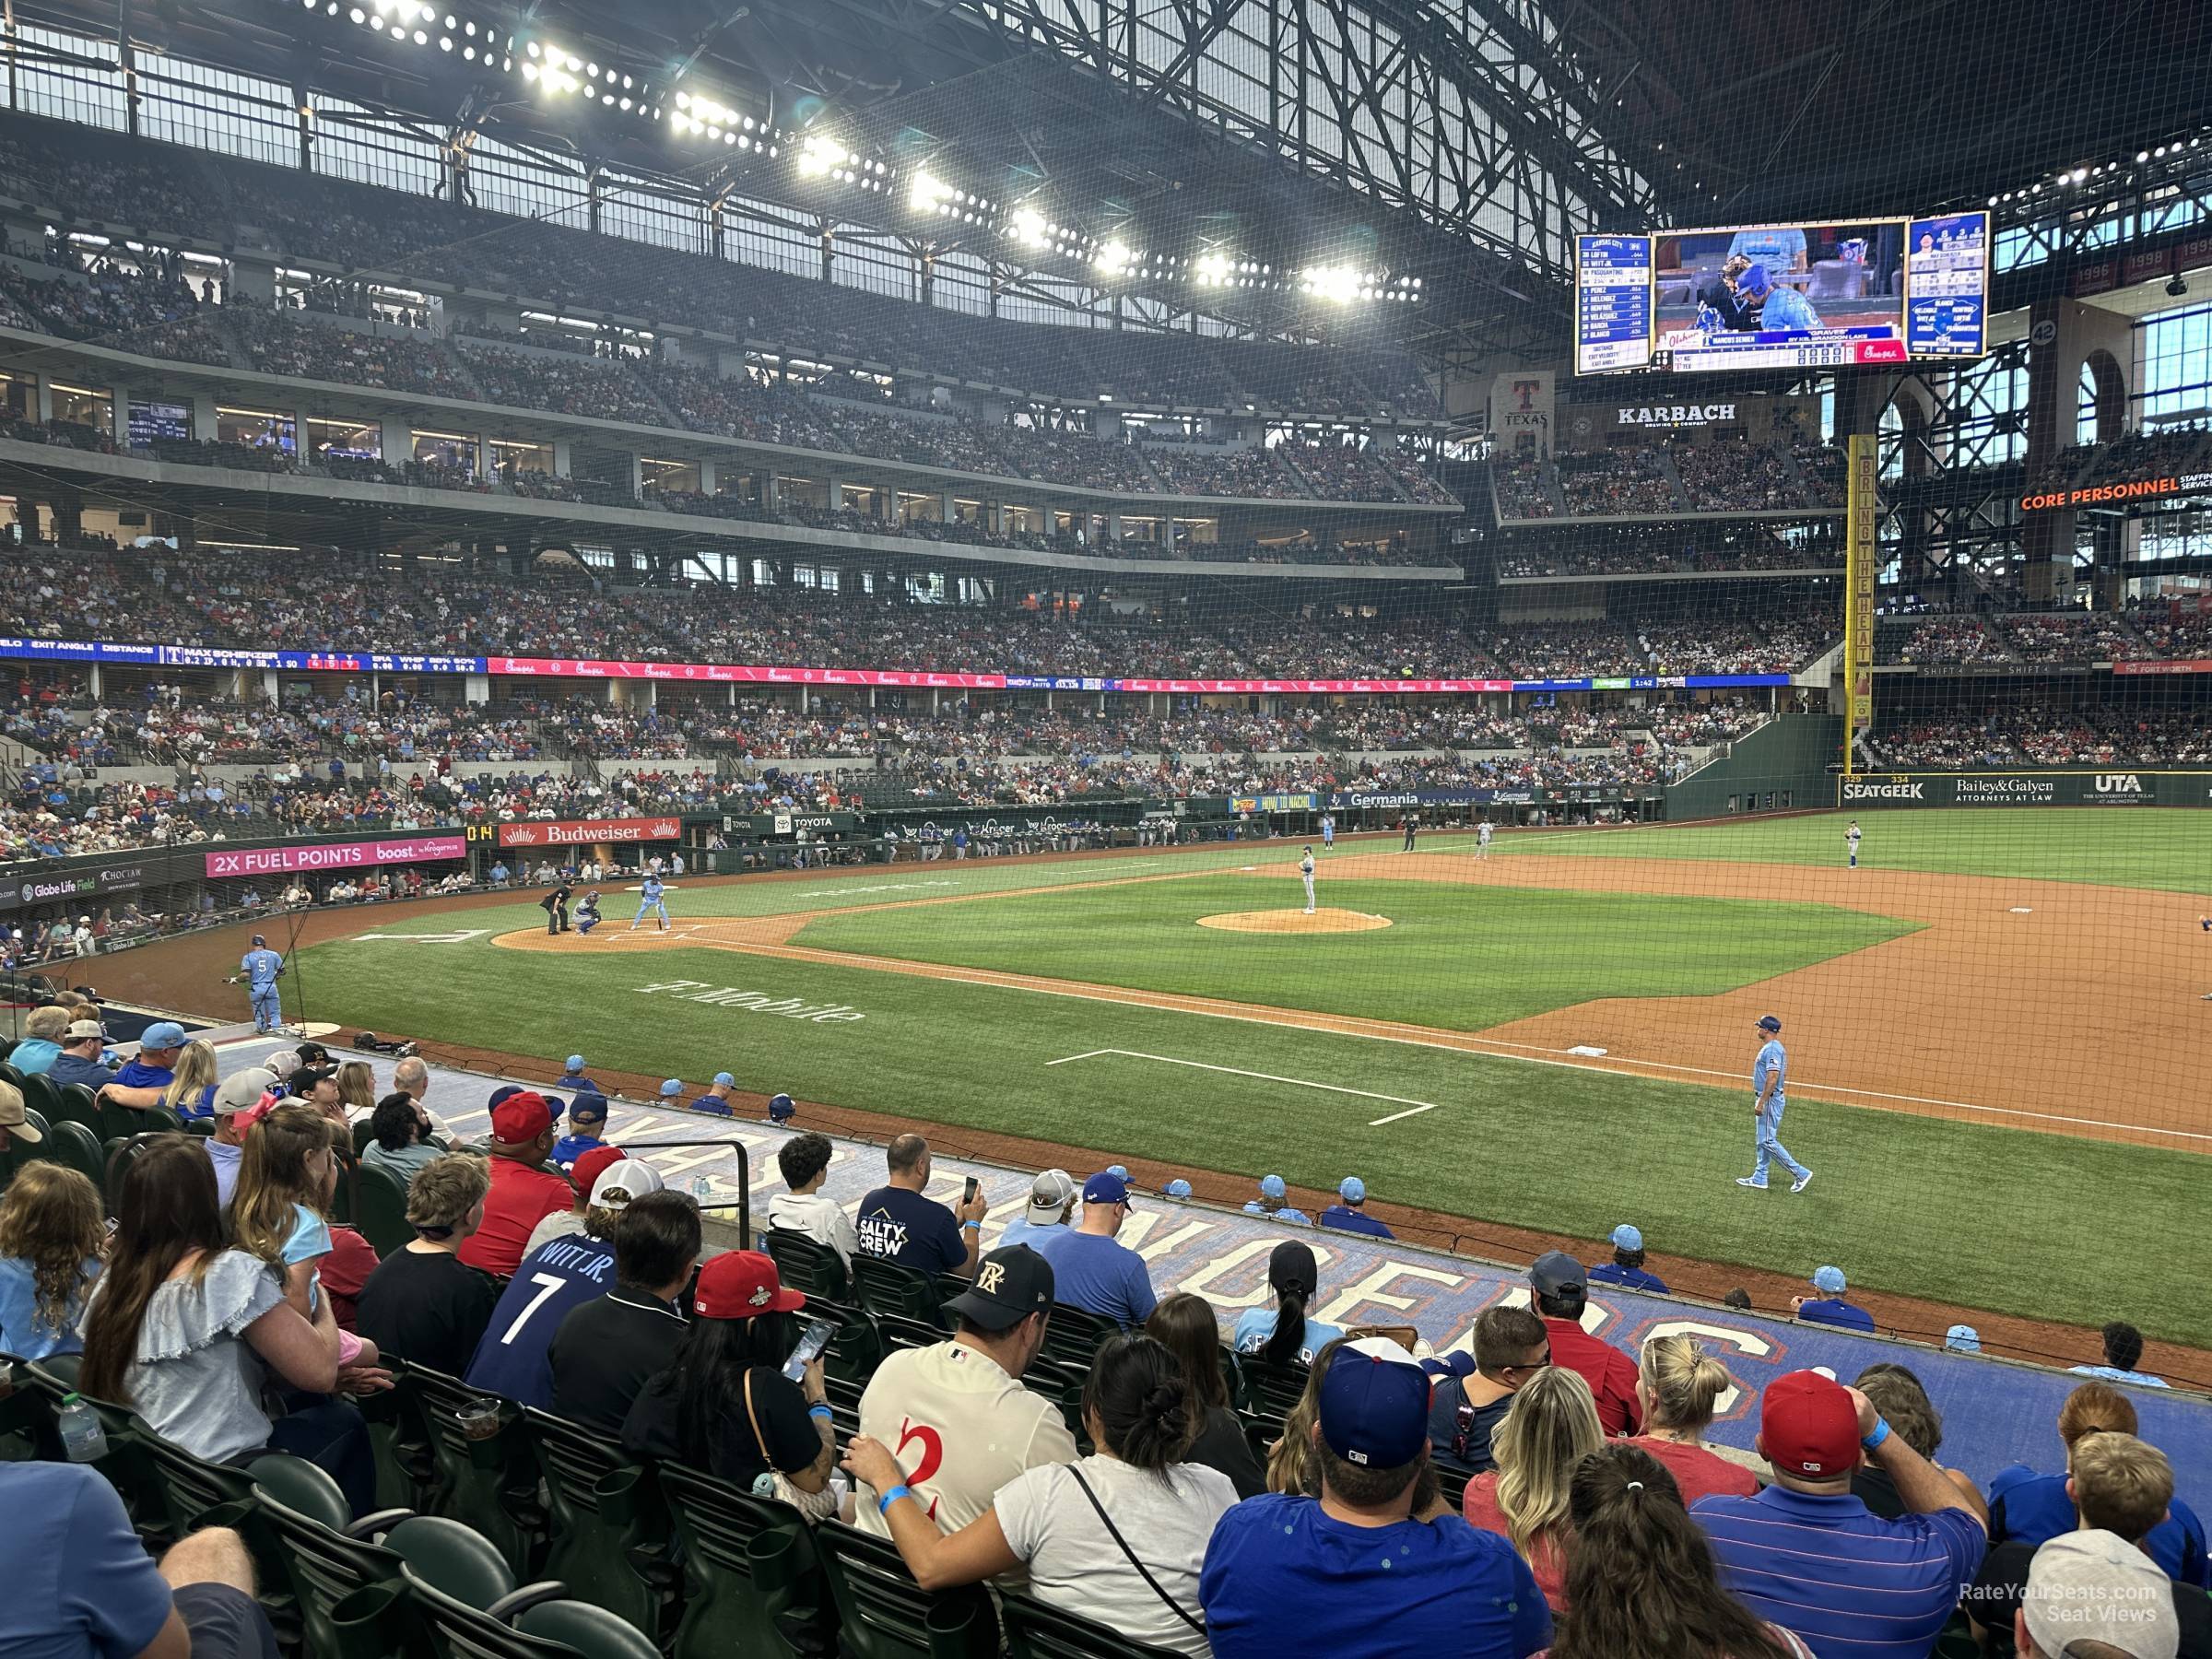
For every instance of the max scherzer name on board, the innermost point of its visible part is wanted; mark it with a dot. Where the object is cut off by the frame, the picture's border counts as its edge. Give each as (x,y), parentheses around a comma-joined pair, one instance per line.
(753,1001)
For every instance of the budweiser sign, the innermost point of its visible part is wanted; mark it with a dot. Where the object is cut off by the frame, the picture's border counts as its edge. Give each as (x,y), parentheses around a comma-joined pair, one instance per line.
(590,832)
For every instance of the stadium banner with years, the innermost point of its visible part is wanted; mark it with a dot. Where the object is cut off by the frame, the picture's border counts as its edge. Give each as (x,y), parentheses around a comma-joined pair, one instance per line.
(2115,788)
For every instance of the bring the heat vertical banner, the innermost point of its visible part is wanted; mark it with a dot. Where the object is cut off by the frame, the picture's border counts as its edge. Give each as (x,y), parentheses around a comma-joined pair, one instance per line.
(1859,572)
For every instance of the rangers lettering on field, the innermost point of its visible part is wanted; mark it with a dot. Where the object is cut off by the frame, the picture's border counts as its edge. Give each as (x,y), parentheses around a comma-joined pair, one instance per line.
(755,1002)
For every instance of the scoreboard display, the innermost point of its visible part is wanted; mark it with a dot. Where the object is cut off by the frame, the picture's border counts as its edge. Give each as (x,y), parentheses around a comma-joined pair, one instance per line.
(1612,303)
(1783,297)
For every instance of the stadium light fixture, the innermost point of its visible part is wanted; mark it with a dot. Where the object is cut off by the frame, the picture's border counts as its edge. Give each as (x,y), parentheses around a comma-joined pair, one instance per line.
(818,153)
(1027,227)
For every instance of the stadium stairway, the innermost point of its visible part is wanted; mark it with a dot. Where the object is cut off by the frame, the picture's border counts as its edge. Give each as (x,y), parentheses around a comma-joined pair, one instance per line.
(1995,1411)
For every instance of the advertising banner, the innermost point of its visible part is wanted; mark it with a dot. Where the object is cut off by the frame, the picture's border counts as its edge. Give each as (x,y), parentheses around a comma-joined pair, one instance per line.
(119,877)
(725,673)
(337,855)
(2115,788)
(590,832)
(1273,803)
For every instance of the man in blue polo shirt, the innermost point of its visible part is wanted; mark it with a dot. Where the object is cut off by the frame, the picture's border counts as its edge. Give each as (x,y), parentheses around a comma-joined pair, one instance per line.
(80,1060)
(1352,1571)
(1828,1307)
(572,1079)
(1808,1556)
(1090,1271)
(1349,1213)
(1625,1268)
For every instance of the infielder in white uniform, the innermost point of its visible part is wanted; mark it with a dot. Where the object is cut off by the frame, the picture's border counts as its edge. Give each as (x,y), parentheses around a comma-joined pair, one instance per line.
(1329,831)
(1482,838)
(1850,846)
(1305,869)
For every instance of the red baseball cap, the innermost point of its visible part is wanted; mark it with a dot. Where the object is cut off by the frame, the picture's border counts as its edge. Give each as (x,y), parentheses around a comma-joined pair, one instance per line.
(741,1284)
(520,1118)
(1808,1426)
(587,1169)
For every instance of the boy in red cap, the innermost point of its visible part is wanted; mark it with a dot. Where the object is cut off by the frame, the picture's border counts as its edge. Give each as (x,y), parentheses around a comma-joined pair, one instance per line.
(524,1190)
(1808,1555)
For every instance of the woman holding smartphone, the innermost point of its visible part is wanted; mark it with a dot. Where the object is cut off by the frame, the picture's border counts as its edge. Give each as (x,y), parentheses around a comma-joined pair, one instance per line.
(726,1406)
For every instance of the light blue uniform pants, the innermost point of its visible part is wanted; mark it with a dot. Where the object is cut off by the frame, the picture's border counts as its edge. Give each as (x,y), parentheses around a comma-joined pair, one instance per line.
(1771,1148)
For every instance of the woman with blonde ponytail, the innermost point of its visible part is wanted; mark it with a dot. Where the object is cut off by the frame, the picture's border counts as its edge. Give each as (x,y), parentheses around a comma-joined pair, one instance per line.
(1639,1574)
(1676,1383)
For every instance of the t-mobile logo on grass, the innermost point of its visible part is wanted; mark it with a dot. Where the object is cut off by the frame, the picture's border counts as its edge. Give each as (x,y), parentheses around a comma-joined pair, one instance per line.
(755,1002)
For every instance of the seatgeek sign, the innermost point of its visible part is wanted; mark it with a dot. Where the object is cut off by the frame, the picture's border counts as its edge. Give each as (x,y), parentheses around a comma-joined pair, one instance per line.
(367,662)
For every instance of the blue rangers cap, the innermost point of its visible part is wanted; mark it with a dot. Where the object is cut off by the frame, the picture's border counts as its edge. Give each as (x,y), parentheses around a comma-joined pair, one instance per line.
(1767,1022)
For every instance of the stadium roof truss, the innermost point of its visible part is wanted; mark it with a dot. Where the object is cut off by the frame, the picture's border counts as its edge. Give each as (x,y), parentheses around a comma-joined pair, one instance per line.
(1453,110)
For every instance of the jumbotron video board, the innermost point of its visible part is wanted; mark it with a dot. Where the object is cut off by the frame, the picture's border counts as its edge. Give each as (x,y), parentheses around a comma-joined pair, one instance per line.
(1826,296)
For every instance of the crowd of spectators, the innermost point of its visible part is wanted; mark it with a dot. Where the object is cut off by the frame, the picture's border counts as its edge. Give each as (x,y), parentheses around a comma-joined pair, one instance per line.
(2170,631)
(1220,470)
(1616,483)
(1937,640)
(2046,637)
(434,241)
(2049,733)
(1646,550)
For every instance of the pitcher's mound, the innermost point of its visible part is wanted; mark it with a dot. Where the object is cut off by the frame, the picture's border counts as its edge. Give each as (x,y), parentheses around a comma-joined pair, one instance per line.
(1295,922)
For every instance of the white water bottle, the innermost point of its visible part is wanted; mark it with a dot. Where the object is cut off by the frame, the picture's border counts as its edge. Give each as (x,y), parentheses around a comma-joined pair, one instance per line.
(83,1440)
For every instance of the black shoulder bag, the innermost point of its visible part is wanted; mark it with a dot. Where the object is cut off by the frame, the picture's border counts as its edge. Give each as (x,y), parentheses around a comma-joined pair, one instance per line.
(1112,1532)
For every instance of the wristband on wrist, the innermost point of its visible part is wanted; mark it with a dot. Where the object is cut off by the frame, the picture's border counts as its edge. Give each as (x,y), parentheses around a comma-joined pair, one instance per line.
(883,1504)
(977,1225)
(1881,1433)
(819,1409)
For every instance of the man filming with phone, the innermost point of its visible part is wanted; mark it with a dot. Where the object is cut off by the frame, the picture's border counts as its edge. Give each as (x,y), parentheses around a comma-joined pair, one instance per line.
(898,1224)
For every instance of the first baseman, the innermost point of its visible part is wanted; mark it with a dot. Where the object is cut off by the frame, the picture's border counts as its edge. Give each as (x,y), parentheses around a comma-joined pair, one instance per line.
(1305,869)
(260,968)
(649,898)
(1851,843)
(1769,1074)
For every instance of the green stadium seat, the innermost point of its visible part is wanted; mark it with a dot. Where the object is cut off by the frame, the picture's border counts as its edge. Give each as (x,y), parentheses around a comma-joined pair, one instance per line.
(324,1566)
(886,1288)
(752,1583)
(455,1560)
(1036,1632)
(487,1485)
(42,1094)
(899,1331)
(609,1531)
(306,1489)
(73,1144)
(129,1470)
(381,1208)
(587,1630)
(855,1347)
(21,1152)
(1073,1336)
(808,1265)
(1267,1390)
(883,1614)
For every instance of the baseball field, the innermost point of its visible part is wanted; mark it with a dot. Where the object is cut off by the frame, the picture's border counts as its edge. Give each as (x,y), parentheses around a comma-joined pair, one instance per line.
(1991,1025)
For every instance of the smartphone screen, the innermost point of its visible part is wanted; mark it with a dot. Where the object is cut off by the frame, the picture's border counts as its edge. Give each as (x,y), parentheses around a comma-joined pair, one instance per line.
(811,1343)
(969,1192)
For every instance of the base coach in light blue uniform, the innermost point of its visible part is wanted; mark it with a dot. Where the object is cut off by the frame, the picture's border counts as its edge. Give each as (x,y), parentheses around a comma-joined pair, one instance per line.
(1770,1072)
(649,898)
(260,968)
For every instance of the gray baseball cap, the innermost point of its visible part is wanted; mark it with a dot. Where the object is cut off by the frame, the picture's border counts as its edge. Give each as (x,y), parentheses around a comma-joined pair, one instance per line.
(2093,1585)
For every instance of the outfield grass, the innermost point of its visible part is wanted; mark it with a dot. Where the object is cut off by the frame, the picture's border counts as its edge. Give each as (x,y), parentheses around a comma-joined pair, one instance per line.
(1957,1211)
(2169,850)
(1461,958)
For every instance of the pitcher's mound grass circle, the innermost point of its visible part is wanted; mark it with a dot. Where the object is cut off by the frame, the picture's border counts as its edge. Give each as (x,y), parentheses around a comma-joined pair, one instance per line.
(1295,922)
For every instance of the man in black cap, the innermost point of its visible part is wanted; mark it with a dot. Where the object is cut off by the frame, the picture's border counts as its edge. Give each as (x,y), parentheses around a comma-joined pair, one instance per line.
(1559,1289)
(955,1415)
